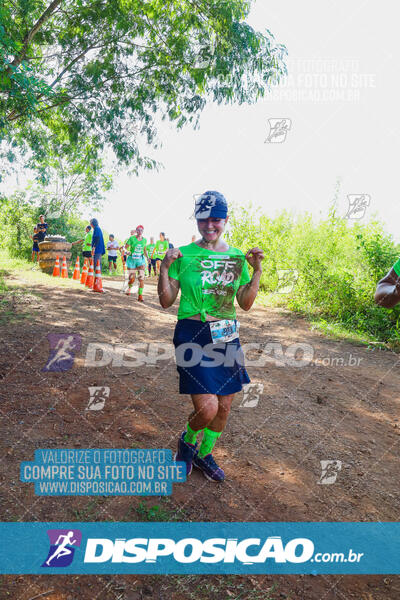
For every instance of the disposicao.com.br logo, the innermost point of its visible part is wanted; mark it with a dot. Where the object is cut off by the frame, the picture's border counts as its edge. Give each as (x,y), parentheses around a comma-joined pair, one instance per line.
(191,550)
(180,548)
(248,551)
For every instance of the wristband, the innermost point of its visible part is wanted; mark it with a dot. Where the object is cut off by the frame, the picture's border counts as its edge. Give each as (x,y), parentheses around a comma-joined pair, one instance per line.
(396,268)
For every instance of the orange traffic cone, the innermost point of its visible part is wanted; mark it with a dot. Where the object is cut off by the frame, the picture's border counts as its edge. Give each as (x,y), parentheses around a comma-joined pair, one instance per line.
(89,278)
(84,271)
(98,286)
(56,270)
(64,269)
(77,271)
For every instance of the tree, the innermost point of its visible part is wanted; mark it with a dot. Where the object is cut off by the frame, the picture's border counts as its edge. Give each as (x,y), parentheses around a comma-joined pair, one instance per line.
(18,216)
(98,72)
(67,182)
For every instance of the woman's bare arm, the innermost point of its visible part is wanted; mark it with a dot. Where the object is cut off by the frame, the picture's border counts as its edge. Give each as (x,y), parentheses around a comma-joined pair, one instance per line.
(246,294)
(168,287)
(388,290)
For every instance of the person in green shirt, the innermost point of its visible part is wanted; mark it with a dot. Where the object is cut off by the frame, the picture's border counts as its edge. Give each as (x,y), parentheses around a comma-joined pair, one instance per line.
(152,262)
(87,243)
(210,274)
(160,250)
(137,260)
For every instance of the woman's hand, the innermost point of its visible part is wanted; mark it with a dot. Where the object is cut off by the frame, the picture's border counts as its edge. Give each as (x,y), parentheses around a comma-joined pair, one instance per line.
(168,287)
(254,257)
(171,256)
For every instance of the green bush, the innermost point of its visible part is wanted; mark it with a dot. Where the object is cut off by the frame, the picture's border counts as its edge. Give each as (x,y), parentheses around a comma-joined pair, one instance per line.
(338,266)
(18,217)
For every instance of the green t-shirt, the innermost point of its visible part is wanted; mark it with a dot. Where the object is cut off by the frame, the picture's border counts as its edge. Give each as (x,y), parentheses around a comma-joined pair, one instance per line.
(150,248)
(161,249)
(136,247)
(87,241)
(209,281)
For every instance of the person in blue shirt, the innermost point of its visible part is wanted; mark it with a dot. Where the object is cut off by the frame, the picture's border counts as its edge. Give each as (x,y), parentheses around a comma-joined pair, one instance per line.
(41,228)
(98,248)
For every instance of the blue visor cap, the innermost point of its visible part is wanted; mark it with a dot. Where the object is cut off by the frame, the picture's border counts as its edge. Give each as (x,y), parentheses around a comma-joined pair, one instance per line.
(211,204)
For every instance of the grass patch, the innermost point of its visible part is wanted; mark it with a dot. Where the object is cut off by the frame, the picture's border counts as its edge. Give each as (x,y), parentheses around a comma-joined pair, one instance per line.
(164,511)
(20,286)
(338,331)
(13,305)
(18,270)
(88,512)
(334,330)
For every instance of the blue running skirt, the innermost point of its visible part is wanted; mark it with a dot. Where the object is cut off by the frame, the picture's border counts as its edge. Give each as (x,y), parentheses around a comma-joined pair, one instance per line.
(204,367)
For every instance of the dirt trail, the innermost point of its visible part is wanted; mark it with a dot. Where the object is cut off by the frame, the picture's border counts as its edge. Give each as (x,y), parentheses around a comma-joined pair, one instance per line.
(270,452)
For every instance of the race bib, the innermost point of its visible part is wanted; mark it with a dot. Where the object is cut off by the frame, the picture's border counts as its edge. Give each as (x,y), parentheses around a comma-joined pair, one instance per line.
(137,253)
(224,330)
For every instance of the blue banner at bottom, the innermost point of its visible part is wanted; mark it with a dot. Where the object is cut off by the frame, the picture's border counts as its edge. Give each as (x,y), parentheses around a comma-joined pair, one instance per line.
(195,548)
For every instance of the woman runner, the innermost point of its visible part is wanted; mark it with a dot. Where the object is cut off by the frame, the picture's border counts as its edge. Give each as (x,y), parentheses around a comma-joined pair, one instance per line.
(160,250)
(137,260)
(210,275)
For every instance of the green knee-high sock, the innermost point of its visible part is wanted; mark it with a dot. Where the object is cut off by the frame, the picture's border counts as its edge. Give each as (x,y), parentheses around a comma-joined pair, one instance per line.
(190,435)
(140,291)
(208,441)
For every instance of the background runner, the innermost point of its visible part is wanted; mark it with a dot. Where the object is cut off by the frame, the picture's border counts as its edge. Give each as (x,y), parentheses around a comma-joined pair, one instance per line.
(137,260)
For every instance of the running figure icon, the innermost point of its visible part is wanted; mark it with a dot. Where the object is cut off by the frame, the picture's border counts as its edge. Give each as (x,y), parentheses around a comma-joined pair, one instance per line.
(62,351)
(62,549)
(63,544)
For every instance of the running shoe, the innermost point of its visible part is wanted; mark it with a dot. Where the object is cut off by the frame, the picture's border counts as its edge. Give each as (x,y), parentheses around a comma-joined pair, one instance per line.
(209,467)
(140,298)
(186,453)
(128,292)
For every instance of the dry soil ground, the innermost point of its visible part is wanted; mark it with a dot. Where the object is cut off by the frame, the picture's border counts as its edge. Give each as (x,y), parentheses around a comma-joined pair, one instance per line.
(270,452)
